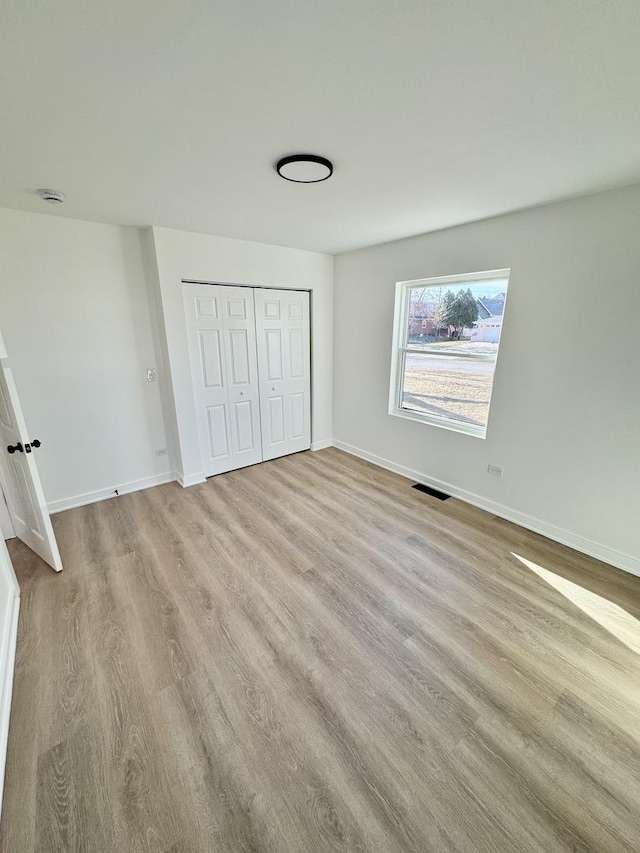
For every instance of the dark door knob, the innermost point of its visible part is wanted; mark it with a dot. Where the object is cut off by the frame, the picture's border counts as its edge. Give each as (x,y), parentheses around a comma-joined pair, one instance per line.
(35,443)
(13,448)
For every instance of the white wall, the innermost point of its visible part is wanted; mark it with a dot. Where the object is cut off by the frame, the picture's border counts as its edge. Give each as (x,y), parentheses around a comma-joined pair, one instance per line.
(79,320)
(565,414)
(75,316)
(181,255)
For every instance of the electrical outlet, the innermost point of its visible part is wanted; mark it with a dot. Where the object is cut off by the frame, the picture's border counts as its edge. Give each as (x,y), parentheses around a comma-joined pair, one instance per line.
(162,452)
(496,470)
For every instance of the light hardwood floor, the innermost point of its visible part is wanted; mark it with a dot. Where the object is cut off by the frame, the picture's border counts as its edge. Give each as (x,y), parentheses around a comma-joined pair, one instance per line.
(309,655)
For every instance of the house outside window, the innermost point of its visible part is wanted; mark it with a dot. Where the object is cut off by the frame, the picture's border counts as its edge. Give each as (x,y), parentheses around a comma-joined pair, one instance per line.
(446,341)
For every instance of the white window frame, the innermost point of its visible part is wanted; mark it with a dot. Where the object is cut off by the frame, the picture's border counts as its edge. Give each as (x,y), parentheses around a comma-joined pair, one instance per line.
(401,348)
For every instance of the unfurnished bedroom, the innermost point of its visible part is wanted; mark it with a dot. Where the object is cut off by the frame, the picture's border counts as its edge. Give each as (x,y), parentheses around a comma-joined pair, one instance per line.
(319,427)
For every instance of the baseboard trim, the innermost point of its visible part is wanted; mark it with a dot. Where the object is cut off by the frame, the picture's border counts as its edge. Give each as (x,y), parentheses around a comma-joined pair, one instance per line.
(322,445)
(8,641)
(626,562)
(190,479)
(104,494)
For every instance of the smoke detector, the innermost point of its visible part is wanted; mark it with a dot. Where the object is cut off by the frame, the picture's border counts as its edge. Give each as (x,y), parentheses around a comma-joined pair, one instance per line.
(52,196)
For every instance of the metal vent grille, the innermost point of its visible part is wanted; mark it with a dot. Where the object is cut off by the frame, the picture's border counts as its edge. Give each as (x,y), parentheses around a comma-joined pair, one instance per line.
(441,496)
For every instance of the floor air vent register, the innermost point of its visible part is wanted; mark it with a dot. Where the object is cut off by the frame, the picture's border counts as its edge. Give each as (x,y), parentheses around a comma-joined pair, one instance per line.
(441,496)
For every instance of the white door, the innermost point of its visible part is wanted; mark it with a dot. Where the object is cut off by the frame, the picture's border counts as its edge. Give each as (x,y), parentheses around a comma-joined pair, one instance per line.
(284,365)
(19,474)
(222,342)
(9,607)
(6,525)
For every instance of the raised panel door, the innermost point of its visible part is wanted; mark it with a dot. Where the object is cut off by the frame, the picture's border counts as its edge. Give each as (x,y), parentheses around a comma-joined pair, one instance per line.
(284,364)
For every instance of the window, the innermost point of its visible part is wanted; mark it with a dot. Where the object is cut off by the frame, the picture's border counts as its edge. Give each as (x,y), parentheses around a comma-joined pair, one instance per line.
(446,339)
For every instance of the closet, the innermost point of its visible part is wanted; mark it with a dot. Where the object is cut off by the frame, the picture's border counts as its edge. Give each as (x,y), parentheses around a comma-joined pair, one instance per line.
(251,372)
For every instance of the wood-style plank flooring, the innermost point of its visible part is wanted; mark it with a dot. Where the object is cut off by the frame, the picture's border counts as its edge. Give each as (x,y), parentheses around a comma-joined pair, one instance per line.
(309,655)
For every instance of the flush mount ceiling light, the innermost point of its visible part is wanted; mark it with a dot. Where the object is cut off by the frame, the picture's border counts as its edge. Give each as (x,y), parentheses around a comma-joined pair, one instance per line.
(52,196)
(304,168)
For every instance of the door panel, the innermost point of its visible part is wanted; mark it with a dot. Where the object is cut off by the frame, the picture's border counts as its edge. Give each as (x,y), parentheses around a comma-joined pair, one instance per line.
(211,355)
(297,415)
(282,326)
(7,530)
(296,353)
(296,309)
(245,439)
(218,438)
(271,309)
(239,351)
(207,306)
(19,474)
(222,344)
(274,353)
(276,420)
(237,307)
(5,417)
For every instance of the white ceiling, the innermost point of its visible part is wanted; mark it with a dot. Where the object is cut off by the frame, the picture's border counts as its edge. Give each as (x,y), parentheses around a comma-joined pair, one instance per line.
(435,112)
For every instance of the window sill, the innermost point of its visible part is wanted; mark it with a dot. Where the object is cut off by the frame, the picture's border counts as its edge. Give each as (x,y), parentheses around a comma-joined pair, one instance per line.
(441,423)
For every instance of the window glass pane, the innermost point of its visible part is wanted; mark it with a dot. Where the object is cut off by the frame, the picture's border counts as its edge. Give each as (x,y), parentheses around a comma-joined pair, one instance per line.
(447,347)
(445,316)
(452,388)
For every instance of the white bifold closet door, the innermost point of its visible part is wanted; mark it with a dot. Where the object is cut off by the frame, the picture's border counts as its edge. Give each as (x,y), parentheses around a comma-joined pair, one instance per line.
(222,337)
(282,325)
(250,362)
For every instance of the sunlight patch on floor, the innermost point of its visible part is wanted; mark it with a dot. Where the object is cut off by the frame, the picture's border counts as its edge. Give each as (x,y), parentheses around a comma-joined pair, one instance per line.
(610,616)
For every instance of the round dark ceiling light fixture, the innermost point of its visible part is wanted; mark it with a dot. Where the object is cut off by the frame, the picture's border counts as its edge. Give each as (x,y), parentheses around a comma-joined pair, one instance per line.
(52,196)
(304,168)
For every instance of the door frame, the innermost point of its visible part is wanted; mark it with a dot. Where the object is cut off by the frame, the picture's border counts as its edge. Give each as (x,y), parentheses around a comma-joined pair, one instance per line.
(176,256)
(9,612)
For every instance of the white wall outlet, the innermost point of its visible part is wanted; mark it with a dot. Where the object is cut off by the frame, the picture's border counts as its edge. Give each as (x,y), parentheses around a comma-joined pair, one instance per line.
(152,374)
(161,452)
(496,470)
